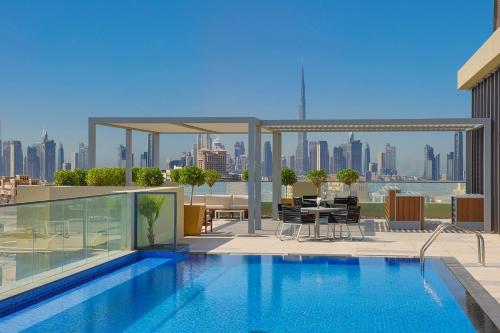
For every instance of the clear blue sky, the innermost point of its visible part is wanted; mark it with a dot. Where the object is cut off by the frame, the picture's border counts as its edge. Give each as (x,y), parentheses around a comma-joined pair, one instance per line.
(61,62)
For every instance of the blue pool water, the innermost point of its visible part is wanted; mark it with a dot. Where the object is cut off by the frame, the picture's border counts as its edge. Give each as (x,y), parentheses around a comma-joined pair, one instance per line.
(229,293)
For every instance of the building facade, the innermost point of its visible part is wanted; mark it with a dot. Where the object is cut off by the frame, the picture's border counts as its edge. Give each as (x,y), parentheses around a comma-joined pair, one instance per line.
(301,156)
(213,160)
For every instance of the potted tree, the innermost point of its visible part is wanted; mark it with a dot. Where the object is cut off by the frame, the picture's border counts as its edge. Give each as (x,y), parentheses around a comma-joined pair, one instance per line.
(244,175)
(149,206)
(348,177)
(288,178)
(317,177)
(212,177)
(193,214)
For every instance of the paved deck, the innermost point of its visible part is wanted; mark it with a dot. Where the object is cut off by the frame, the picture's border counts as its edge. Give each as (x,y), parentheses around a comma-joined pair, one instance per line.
(230,236)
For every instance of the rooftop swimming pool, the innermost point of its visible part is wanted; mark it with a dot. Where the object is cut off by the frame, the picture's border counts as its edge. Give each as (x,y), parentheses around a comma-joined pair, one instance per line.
(233,293)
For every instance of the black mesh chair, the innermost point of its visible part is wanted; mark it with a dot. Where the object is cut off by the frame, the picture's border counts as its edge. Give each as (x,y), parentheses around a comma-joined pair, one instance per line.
(297,201)
(293,217)
(280,218)
(347,215)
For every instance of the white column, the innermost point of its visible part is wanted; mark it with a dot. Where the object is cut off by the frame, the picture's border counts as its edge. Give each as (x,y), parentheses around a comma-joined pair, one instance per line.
(251,176)
(276,173)
(156,150)
(258,177)
(487,177)
(128,157)
(91,144)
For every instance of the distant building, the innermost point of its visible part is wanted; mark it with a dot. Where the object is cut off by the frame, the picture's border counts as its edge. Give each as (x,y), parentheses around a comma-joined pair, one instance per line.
(217,144)
(458,157)
(47,158)
(339,161)
(83,156)
(240,163)
(323,156)
(32,161)
(450,166)
(74,161)
(373,167)
(431,164)
(301,156)
(12,153)
(66,166)
(204,141)
(367,159)
(239,149)
(60,156)
(143,160)
(149,163)
(313,155)
(121,156)
(283,161)
(291,162)
(268,160)
(187,159)
(387,161)
(352,151)
(194,152)
(212,160)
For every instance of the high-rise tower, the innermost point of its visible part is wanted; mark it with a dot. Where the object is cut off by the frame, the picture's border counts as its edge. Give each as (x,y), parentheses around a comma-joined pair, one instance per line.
(301,157)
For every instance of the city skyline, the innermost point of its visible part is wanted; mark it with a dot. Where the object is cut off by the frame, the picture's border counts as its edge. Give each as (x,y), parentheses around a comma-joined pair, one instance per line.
(198,77)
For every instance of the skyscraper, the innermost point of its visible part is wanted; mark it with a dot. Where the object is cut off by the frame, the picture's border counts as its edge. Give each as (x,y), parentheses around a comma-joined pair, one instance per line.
(323,156)
(381,163)
(32,161)
(367,160)
(291,162)
(458,157)
(121,156)
(450,166)
(150,151)
(83,153)
(12,158)
(301,156)
(239,149)
(339,162)
(313,155)
(204,141)
(268,160)
(60,156)
(74,161)
(387,161)
(47,158)
(432,164)
(352,151)
(283,161)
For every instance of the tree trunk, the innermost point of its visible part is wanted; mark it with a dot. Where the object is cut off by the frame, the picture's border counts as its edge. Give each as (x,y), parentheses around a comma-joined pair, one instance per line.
(151,234)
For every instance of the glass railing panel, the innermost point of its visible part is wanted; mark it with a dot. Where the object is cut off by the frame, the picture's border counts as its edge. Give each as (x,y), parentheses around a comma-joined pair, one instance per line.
(48,228)
(73,217)
(119,217)
(16,249)
(156,219)
(97,227)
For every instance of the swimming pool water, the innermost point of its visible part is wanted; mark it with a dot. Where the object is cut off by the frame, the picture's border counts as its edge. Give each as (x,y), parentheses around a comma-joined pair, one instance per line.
(229,293)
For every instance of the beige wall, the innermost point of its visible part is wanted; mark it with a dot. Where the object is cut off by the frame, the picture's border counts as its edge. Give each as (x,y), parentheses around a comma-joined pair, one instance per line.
(484,61)
(304,188)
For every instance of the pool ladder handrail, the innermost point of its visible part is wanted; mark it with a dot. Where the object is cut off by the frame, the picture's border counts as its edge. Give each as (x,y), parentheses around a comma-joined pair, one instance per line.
(481,254)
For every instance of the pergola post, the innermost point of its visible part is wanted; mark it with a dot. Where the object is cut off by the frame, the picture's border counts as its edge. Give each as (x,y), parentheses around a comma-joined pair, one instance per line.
(251,176)
(276,173)
(487,177)
(91,144)
(156,150)
(128,157)
(258,177)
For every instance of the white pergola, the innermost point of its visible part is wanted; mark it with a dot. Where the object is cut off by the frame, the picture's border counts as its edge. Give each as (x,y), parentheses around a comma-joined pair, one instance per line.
(254,128)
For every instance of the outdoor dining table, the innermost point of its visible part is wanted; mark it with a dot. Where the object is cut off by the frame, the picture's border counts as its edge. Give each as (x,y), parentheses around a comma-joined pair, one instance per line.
(317,210)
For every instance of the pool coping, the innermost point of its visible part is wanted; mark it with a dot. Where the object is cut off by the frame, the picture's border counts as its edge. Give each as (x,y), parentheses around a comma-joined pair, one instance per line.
(488,303)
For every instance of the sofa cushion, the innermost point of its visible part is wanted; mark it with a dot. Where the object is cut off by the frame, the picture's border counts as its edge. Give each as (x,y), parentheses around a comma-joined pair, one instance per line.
(219,201)
(197,199)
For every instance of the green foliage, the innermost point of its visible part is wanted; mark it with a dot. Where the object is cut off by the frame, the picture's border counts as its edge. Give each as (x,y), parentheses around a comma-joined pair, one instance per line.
(106,177)
(82,176)
(192,176)
(288,178)
(66,178)
(317,177)
(149,177)
(347,176)
(244,175)
(149,206)
(211,177)
(135,172)
(175,175)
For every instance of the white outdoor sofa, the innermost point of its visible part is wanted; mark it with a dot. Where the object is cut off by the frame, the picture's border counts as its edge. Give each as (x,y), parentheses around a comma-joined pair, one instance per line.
(220,202)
